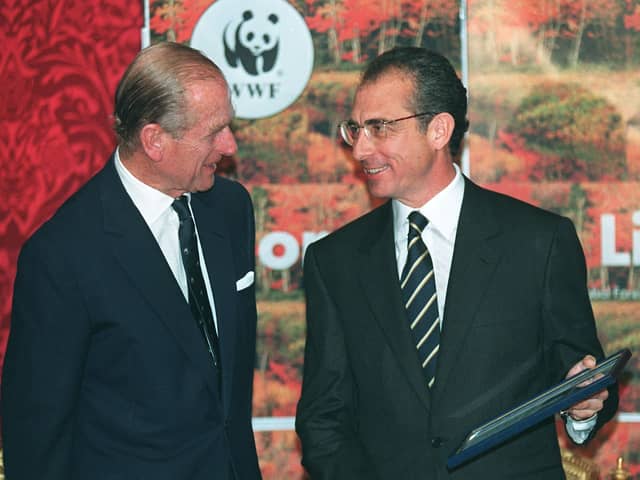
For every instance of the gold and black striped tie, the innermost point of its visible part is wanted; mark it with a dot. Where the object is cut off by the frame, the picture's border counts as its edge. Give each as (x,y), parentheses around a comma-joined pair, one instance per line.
(418,285)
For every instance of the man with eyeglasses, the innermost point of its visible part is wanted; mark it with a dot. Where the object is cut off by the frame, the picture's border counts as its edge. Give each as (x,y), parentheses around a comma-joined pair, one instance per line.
(132,343)
(442,308)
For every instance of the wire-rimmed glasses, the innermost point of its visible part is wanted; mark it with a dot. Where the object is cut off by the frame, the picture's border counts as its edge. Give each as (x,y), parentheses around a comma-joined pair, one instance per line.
(374,128)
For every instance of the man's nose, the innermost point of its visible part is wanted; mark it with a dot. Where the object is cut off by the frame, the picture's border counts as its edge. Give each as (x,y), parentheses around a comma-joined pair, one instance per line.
(227,142)
(362,146)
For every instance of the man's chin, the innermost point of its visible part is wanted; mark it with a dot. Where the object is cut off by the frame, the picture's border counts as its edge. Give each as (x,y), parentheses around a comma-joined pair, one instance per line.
(377,190)
(206,184)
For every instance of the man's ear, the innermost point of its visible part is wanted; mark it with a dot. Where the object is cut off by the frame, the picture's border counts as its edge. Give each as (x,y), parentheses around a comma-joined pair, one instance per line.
(153,139)
(440,130)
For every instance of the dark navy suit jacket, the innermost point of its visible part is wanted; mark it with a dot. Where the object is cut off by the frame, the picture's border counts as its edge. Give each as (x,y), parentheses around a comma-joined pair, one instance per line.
(106,374)
(517,317)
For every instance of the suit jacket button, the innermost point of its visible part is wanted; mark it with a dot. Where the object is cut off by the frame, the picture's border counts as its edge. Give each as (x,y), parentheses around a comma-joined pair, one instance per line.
(436,442)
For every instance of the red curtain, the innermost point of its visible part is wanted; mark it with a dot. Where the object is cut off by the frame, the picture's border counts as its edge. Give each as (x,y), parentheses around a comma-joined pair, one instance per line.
(60,61)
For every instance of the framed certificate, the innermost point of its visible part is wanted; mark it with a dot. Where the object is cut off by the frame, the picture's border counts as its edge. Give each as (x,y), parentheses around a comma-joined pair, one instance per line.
(533,411)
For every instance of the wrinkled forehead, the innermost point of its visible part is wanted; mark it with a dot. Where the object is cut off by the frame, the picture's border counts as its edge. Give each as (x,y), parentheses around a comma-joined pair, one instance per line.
(211,99)
(388,96)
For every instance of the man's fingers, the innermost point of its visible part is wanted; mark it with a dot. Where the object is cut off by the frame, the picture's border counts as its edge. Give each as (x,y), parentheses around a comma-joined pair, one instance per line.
(587,362)
(587,408)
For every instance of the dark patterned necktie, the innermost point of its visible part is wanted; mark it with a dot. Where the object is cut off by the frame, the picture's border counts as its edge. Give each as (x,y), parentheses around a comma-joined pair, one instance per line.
(198,300)
(418,285)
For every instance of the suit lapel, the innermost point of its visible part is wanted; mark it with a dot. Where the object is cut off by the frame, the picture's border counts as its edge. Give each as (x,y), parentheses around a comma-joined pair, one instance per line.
(218,256)
(379,282)
(139,255)
(476,254)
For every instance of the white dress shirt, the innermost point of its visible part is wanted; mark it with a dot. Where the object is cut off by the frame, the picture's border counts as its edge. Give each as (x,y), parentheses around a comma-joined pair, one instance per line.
(443,213)
(155,207)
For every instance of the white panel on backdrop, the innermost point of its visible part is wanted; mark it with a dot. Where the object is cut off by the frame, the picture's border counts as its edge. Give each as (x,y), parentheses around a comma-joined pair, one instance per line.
(264,49)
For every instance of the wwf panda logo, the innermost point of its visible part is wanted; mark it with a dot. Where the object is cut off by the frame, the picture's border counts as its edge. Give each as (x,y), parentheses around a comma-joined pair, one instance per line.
(252,42)
(264,48)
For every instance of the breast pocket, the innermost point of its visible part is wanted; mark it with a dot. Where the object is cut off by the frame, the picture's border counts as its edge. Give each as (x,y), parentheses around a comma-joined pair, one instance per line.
(246,281)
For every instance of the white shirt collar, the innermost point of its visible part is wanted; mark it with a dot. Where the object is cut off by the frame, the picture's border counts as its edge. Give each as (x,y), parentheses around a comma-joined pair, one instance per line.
(442,211)
(150,202)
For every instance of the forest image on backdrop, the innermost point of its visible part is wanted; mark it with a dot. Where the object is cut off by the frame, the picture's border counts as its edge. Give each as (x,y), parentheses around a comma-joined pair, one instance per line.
(555,120)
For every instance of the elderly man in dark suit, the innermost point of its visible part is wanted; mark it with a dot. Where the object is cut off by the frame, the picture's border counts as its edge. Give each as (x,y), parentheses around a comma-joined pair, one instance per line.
(440,309)
(132,341)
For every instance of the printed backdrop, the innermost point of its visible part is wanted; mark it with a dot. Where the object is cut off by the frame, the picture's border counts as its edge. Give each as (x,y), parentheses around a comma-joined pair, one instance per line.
(555,120)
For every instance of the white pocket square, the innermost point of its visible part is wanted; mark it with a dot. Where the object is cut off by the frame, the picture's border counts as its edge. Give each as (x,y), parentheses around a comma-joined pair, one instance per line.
(245,281)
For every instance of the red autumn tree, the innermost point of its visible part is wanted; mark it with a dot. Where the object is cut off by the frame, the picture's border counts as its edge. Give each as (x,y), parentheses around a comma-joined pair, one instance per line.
(176,18)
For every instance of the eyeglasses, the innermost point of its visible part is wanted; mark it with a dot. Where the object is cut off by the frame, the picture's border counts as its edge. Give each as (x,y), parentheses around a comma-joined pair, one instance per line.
(374,128)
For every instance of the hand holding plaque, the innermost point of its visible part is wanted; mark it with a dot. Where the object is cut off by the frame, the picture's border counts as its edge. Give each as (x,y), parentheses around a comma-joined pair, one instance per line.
(569,394)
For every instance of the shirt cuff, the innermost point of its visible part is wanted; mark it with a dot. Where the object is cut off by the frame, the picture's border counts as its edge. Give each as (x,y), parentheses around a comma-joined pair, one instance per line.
(579,430)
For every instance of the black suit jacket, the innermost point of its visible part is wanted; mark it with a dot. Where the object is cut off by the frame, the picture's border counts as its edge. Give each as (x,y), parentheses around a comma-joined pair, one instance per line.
(106,374)
(517,317)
